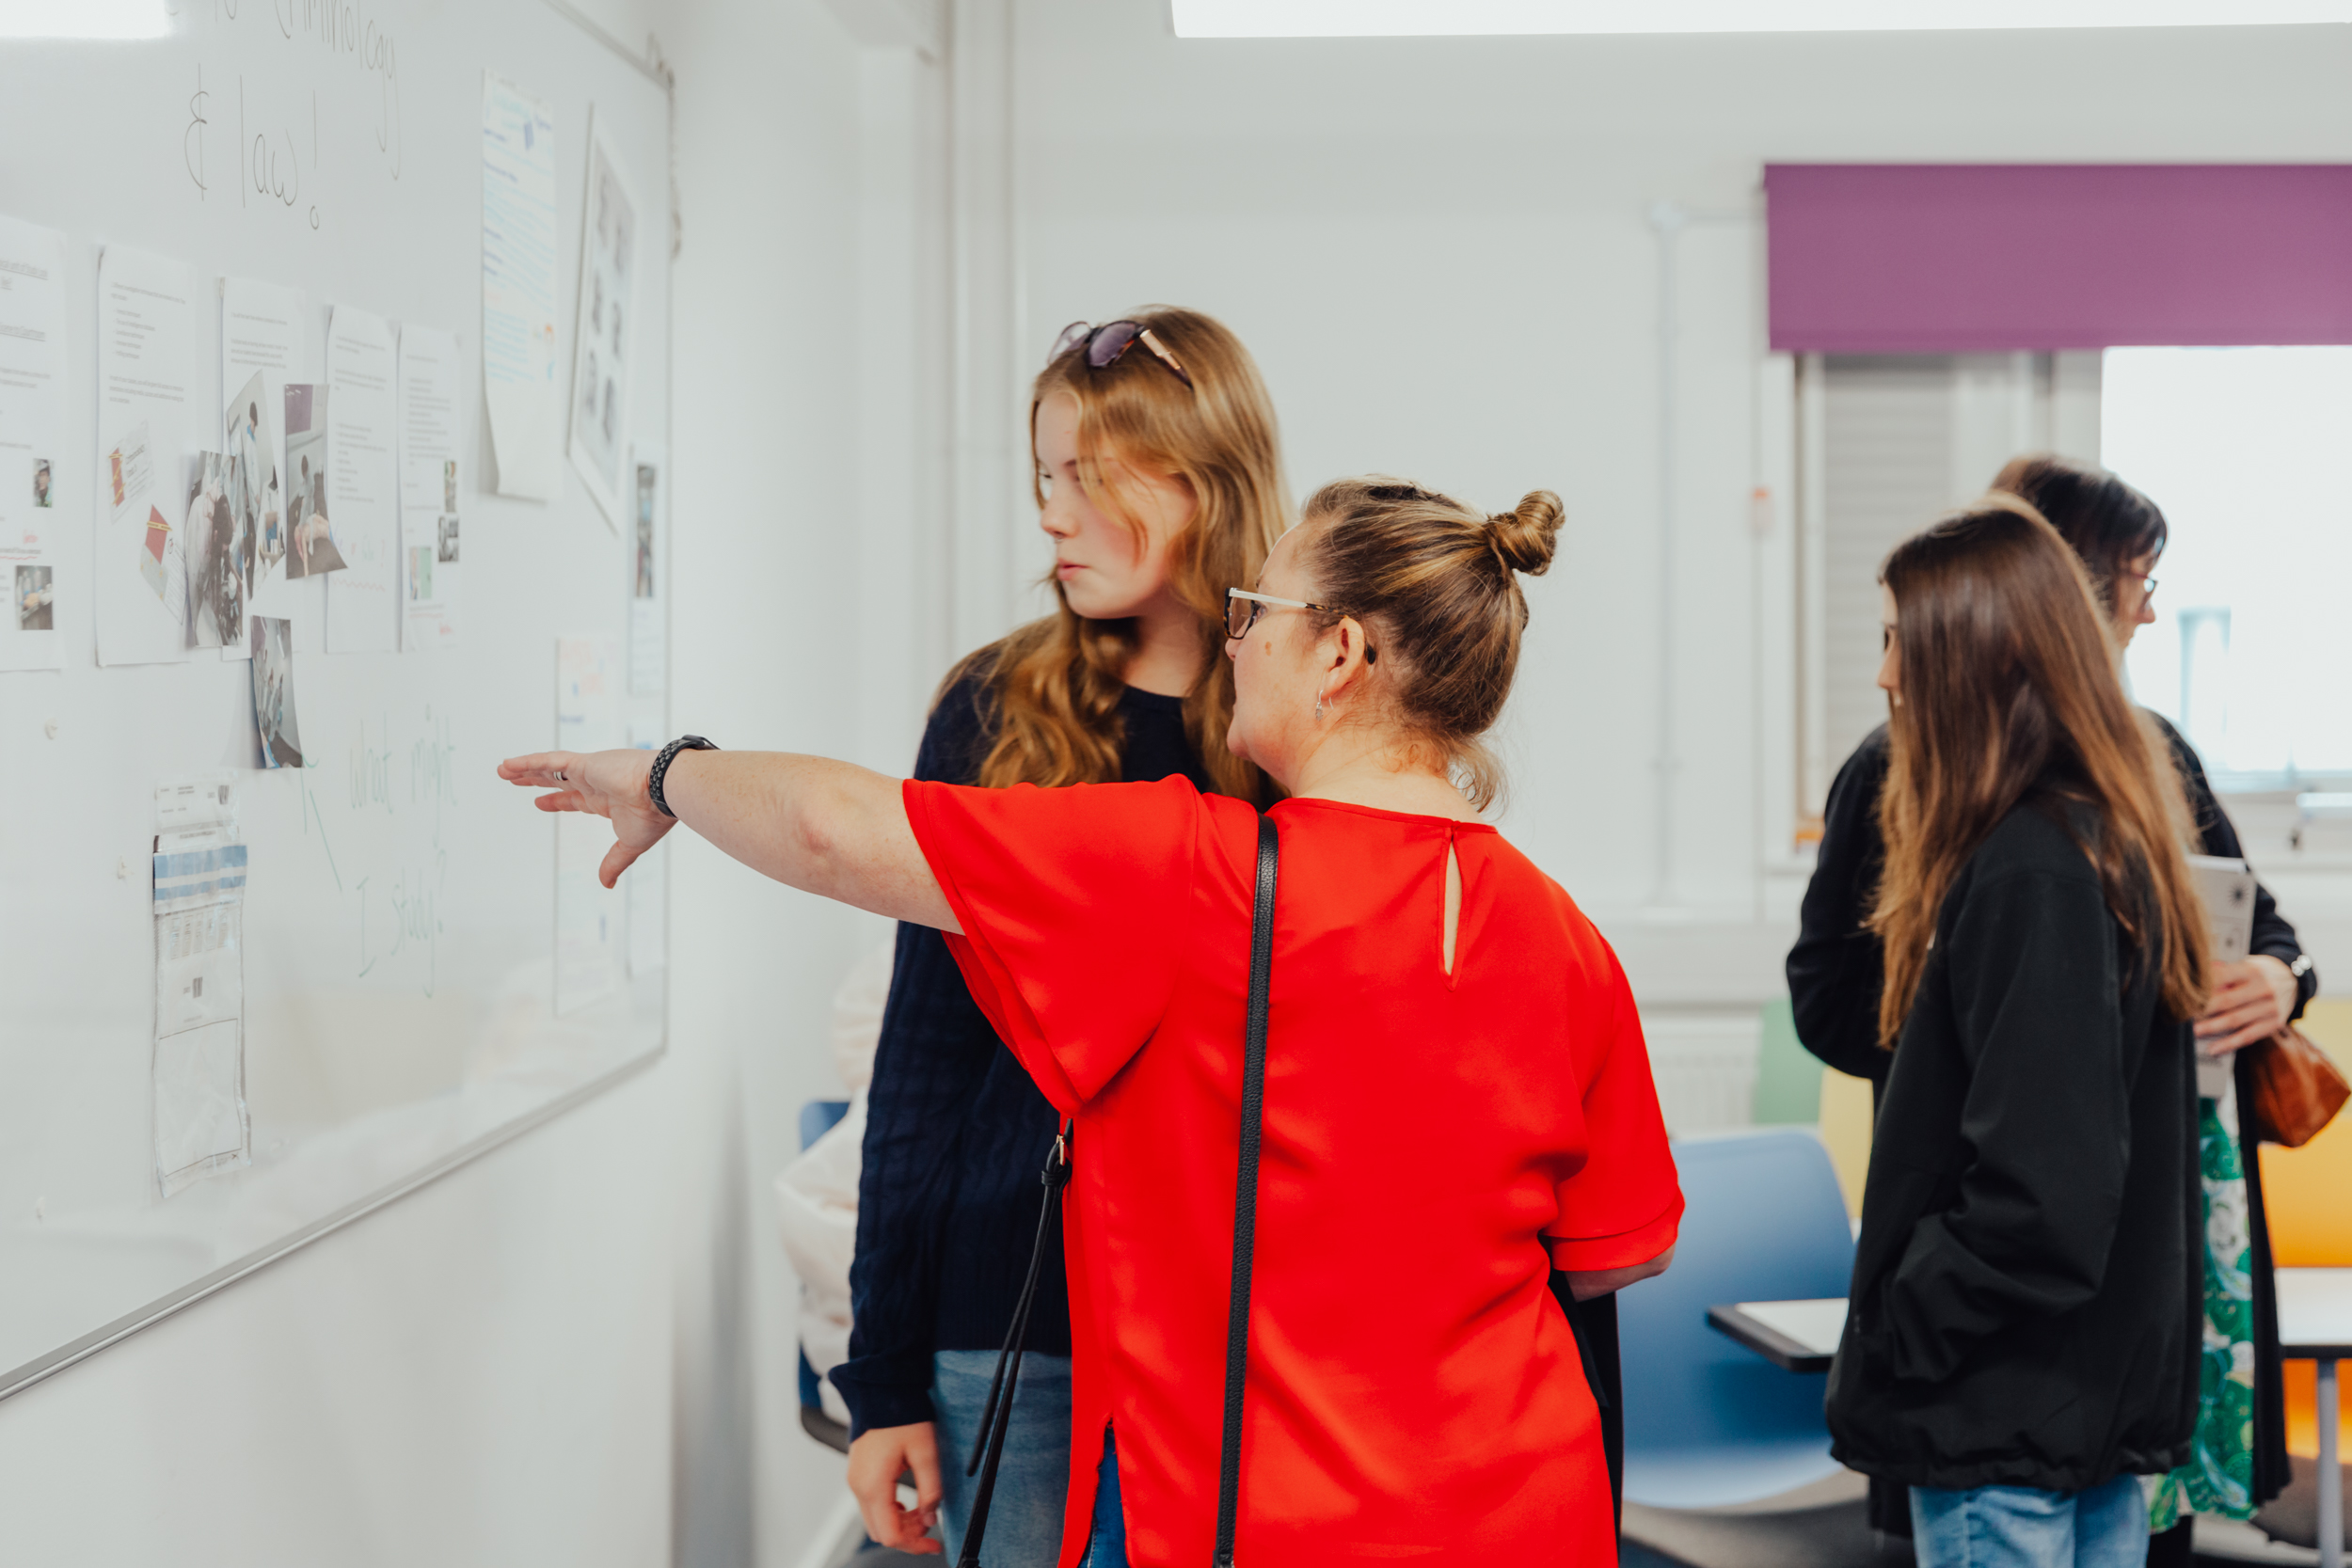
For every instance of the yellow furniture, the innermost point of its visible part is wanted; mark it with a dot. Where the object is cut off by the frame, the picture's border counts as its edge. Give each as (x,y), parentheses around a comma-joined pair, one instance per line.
(1846,1119)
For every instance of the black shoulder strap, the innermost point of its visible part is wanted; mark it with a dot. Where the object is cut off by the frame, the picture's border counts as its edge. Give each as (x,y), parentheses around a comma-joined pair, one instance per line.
(996,1415)
(1246,1189)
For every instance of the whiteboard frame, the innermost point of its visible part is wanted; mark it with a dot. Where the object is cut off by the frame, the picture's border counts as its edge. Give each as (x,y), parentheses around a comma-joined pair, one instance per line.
(49,1364)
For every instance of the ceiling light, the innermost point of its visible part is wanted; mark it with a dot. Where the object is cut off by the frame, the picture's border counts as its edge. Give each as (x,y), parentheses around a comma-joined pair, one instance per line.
(1237,19)
(84,19)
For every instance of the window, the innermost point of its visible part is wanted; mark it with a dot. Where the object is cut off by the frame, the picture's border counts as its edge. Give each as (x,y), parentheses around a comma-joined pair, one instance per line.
(2243,448)
(1902,439)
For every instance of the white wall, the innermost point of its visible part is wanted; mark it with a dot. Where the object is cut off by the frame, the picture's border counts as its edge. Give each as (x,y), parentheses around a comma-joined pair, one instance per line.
(1440,251)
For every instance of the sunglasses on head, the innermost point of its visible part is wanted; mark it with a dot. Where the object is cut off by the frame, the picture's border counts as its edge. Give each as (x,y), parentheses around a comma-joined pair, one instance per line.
(1104,344)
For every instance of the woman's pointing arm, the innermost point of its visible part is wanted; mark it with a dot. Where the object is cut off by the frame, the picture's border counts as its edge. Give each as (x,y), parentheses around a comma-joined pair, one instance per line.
(824,827)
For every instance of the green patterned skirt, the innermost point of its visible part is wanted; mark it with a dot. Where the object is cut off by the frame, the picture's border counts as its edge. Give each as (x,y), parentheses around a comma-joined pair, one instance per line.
(2218,1477)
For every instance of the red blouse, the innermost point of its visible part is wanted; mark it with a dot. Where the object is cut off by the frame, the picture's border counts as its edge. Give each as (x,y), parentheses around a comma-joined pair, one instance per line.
(1414,1390)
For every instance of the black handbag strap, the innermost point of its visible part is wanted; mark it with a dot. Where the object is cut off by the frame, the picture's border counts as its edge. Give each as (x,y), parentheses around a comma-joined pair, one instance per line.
(1245,1188)
(996,1415)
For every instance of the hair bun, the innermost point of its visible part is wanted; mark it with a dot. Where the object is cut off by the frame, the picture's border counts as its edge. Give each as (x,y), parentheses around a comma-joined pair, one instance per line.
(1525,537)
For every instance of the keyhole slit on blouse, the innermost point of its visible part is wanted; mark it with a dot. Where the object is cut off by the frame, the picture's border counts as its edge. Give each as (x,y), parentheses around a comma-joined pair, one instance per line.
(1453,921)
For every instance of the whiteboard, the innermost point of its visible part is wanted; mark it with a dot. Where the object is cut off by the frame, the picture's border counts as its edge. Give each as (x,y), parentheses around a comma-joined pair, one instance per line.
(400,915)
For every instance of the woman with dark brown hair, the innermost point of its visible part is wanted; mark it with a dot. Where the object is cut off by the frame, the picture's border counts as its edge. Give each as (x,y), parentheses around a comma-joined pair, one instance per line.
(1159,480)
(1835,977)
(2021,1343)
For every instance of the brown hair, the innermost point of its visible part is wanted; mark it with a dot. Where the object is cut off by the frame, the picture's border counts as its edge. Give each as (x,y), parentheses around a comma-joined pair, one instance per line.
(2104,520)
(1436,586)
(2008,684)
(1053,687)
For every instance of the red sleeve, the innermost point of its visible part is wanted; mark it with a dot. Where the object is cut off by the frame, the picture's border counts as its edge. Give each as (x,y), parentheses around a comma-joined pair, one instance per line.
(1074,904)
(1625,1206)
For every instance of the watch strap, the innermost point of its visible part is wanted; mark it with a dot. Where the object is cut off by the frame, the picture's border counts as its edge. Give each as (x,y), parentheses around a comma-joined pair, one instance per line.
(661,767)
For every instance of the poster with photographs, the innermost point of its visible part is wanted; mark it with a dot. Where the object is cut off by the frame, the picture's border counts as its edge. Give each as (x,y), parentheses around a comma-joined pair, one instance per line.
(271,652)
(32,365)
(602,344)
(220,554)
(310,538)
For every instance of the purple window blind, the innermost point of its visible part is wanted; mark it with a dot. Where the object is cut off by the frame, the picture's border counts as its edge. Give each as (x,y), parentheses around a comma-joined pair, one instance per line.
(1960,258)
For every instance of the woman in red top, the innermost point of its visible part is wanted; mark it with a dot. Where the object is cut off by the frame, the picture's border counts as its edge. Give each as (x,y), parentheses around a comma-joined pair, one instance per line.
(1458,1096)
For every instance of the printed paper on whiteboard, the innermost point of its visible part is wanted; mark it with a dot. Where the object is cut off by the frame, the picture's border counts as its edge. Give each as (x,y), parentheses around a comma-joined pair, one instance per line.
(264,344)
(520,388)
(199,1071)
(363,398)
(431,546)
(32,460)
(146,388)
(604,343)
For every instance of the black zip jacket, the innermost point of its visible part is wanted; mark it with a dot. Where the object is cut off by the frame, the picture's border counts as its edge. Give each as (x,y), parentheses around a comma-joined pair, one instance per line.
(2028,1288)
(1835,972)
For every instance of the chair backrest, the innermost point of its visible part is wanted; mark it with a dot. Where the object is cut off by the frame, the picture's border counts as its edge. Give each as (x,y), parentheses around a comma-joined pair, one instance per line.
(1766,1221)
(817,1118)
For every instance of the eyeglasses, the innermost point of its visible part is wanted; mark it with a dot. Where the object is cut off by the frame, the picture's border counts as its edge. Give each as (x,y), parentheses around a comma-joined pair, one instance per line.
(1243,607)
(2147,584)
(1104,344)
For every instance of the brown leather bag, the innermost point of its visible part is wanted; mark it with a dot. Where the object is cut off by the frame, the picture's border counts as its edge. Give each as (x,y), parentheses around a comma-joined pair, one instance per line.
(2296,1089)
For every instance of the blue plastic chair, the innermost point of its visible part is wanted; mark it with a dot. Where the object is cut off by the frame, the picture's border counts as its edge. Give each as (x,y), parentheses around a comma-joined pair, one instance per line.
(818,1118)
(1708,1422)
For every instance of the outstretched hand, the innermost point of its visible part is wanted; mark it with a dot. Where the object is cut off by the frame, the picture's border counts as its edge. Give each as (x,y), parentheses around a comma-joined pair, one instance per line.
(615,785)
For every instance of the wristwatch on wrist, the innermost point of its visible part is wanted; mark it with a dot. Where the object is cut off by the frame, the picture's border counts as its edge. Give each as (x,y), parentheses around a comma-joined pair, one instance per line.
(661,767)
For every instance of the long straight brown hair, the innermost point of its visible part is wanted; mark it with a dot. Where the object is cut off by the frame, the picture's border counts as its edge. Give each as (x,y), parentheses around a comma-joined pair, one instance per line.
(1054,686)
(2007,682)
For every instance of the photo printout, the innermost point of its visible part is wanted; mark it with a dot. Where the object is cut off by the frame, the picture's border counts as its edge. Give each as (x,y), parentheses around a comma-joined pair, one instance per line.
(310,527)
(264,344)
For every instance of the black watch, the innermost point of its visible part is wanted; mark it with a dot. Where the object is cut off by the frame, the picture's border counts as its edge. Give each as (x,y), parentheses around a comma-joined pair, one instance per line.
(661,767)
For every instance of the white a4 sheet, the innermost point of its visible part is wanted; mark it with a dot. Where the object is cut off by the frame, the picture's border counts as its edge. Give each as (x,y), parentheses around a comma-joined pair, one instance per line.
(202,1126)
(362,428)
(32,351)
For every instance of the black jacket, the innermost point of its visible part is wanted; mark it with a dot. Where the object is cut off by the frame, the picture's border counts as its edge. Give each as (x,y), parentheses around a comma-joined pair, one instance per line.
(2027,1288)
(1836,972)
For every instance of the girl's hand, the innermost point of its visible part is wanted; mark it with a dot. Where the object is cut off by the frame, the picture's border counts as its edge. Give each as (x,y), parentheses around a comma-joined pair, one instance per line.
(617,785)
(2251,1001)
(876,1459)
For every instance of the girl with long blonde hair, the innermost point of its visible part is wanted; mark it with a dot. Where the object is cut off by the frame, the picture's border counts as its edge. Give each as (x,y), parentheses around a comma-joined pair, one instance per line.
(1159,483)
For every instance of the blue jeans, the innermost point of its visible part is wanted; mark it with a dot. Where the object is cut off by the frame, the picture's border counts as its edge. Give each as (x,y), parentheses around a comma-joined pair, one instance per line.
(1108,1548)
(2024,1527)
(1033,1478)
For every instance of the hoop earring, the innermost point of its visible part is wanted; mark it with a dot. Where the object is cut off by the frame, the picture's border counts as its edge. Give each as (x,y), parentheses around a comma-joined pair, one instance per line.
(1319,697)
